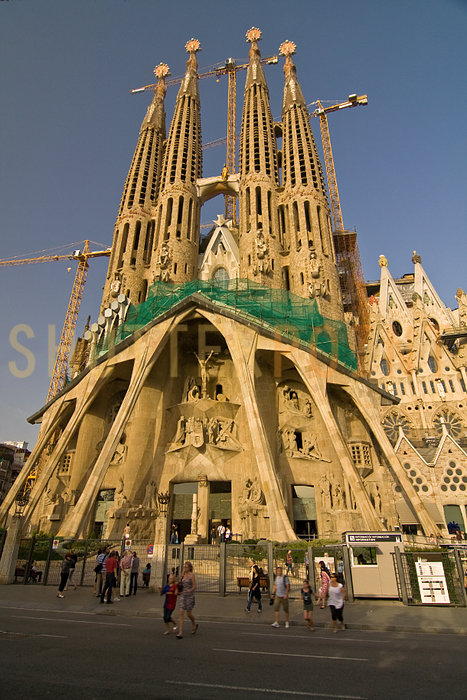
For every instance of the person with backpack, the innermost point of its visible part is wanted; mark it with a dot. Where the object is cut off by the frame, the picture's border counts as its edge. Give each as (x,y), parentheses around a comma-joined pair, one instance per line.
(280,597)
(254,590)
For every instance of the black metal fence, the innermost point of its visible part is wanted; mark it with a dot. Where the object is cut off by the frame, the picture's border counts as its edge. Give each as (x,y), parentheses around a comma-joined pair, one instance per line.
(431,577)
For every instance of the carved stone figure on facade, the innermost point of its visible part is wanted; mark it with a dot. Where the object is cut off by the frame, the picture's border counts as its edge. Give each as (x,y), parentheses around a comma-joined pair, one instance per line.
(310,447)
(376,498)
(226,437)
(116,286)
(212,430)
(203,363)
(325,492)
(290,398)
(149,495)
(261,245)
(461,297)
(119,455)
(194,432)
(181,431)
(163,259)
(318,289)
(337,496)
(308,409)
(289,441)
(315,267)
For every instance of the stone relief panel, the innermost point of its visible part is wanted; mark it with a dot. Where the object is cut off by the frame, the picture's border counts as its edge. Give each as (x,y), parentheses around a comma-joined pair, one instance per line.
(217,431)
(252,508)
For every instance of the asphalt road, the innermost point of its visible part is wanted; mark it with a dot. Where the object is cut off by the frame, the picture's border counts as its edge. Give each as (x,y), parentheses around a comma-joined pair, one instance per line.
(81,656)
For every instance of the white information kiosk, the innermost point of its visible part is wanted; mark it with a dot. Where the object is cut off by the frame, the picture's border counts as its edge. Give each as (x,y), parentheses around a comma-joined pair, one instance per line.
(371,563)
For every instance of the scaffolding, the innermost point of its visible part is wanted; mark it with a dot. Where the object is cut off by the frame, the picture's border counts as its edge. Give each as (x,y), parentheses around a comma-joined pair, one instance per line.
(353,288)
(286,315)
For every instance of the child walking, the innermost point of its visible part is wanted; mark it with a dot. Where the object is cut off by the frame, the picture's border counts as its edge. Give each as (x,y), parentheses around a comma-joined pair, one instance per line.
(170,591)
(307,597)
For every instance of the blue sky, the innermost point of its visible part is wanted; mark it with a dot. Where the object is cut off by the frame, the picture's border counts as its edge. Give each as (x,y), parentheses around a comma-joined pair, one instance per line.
(70,125)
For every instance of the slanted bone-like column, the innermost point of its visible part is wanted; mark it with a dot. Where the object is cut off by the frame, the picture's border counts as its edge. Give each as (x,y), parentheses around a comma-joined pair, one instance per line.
(241,342)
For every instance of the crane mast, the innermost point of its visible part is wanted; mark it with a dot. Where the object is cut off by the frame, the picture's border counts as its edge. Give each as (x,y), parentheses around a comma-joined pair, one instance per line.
(351,277)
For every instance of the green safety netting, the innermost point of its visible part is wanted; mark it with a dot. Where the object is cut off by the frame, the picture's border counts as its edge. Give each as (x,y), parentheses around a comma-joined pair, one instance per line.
(290,316)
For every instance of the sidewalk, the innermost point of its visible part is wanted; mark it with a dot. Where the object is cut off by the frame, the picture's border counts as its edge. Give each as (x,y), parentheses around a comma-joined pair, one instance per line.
(378,615)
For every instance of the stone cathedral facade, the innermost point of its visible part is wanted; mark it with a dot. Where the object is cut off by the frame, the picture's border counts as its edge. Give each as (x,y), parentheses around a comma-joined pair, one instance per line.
(221,371)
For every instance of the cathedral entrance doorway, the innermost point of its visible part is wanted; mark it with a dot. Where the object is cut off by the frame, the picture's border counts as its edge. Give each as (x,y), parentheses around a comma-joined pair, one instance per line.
(304,512)
(198,506)
(220,505)
(105,501)
(183,507)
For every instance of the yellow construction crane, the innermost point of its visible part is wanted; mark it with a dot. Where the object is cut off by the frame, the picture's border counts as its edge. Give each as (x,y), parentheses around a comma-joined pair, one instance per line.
(64,347)
(349,264)
(322,112)
(230,68)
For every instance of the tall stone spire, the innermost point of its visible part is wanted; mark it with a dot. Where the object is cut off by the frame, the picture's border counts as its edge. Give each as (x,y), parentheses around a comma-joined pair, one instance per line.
(304,216)
(259,244)
(130,261)
(178,210)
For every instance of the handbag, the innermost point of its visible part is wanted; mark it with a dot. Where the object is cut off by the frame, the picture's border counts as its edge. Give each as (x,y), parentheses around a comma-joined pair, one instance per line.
(98,569)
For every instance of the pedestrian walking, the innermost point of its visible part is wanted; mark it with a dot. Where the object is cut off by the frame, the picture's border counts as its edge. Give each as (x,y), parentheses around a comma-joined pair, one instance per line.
(111,568)
(289,562)
(280,597)
(73,560)
(125,573)
(187,588)
(336,597)
(99,570)
(134,574)
(64,572)
(228,533)
(170,591)
(324,580)
(146,575)
(213,535)
(307,566)
(307,597)
(221,532)
(254,590)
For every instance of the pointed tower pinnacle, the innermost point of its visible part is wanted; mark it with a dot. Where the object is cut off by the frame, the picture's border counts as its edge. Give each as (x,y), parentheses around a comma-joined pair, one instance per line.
(178,214)
(259,244)
(129,265)
(305,227)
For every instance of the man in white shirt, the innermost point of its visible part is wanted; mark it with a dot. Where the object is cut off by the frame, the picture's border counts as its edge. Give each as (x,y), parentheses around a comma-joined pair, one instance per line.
(280,596)
(221,533)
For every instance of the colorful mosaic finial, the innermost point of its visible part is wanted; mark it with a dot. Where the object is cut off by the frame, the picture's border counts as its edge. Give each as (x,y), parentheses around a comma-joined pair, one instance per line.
(254,34)
(383,261)
(161,71)
(192,46)
(287,48)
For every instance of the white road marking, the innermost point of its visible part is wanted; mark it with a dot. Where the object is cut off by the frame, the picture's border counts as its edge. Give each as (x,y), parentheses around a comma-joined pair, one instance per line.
(339,638)
(304,656)
(29,634)
(69,612)
(249,689)
(79,622)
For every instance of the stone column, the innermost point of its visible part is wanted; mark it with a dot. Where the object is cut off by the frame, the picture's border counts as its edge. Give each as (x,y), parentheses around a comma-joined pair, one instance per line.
(306,365)
(152,344)
(241,342)
(10,549)
(203,505)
